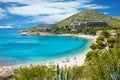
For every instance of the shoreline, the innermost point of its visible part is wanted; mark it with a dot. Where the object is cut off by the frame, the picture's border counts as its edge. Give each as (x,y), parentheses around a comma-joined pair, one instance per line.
(90,37)
(80,57)
(74,60)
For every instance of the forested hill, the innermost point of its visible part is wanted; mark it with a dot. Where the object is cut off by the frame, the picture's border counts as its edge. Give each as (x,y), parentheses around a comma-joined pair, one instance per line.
(88,16)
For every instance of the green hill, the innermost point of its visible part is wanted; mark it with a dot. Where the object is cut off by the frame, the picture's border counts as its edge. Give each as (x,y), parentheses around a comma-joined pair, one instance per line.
(88,16)
(68,25)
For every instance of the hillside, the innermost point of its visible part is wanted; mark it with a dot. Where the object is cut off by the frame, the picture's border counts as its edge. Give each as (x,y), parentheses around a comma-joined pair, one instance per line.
(96,20)
(88,16)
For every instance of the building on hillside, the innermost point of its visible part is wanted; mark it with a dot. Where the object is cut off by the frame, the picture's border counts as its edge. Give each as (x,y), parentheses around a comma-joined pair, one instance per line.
(89,24)
(111,32)
(98,32)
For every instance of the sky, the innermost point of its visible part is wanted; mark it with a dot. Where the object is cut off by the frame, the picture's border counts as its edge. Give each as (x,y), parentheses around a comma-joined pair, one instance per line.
(29,13)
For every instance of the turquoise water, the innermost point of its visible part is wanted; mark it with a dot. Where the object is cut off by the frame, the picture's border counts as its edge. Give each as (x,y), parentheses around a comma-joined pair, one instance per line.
(16,49)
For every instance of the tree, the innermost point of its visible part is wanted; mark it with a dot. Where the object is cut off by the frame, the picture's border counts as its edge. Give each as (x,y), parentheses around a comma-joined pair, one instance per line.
(111,42)
(89,56)
(100,38)
(105,33)
(101,45)
(94,46)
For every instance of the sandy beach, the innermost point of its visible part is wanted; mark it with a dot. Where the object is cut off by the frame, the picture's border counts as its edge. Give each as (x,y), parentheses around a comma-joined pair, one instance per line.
(90,37)
(76,60)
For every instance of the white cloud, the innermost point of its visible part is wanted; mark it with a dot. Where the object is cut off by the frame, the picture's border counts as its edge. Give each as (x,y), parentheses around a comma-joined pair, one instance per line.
(2,13)
(38,7)
(33,10)
(6,27)
(45,7)
(50,19)
(56,9)
(94,6)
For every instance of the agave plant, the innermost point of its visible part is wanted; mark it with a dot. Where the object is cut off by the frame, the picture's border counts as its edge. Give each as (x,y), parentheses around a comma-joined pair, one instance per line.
(115,75)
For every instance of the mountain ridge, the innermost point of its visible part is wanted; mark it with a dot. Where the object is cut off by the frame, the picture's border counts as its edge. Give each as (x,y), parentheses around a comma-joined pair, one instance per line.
(88,16)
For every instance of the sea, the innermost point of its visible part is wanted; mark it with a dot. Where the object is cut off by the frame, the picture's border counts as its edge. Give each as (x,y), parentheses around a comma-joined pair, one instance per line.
(17,50)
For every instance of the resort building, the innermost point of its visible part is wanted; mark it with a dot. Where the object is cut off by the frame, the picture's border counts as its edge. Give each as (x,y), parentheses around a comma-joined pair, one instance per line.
(89,24)
(111,32)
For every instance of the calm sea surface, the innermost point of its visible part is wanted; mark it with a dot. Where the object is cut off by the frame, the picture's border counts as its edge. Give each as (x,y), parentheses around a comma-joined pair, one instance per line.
(16,49)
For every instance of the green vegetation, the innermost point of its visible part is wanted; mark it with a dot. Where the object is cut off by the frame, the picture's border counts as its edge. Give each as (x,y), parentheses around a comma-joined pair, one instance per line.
(91,30)
(104,61)
(48,73)
(35,30)
(101,63)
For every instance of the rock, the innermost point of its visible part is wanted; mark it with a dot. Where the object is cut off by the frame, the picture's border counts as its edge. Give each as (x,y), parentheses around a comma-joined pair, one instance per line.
(6,72)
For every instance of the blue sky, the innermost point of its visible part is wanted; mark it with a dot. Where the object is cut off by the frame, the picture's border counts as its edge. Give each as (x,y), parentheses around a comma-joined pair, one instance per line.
(29,13)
